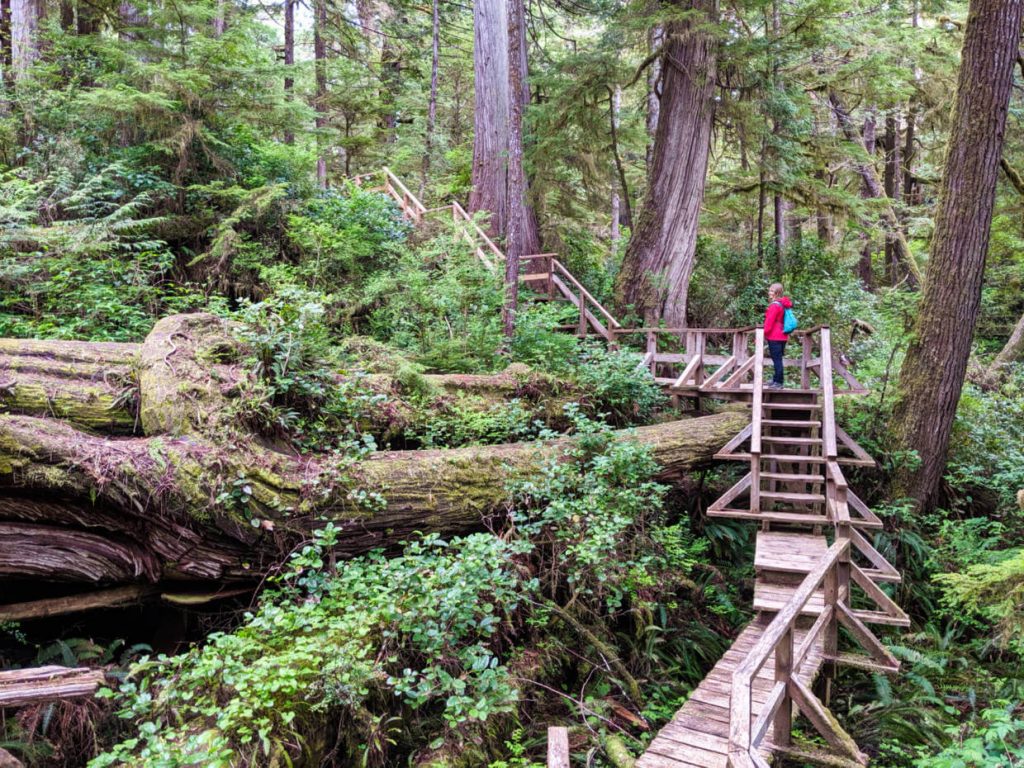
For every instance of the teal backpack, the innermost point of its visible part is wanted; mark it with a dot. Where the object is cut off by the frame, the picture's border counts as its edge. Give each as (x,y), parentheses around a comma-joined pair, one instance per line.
(789,321)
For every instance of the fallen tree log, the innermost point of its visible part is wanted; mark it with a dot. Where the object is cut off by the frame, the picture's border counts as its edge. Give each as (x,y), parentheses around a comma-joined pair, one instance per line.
(200,498)
(21,687)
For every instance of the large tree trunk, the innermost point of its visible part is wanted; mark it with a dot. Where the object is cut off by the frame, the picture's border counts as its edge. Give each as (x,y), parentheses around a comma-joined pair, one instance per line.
(491,112)
(192,496)
(933,371)
(27,15)
(1011,352)
(655,275)
(435,60)
(516,243)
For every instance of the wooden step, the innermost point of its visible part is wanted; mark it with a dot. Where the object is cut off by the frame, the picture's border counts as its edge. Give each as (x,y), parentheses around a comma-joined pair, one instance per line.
(774,597)
(791,440)
(793,406)
(789,423)
(802,498)
(793,478)
(789,518)
(792,458)
(790,391)
(788,552)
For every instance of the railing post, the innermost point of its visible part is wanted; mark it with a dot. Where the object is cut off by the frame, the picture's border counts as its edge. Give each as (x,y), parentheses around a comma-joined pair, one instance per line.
(698,375)
(652,350)
(755,422)
(782,723)
(583,316)
(805,361)
(551,276)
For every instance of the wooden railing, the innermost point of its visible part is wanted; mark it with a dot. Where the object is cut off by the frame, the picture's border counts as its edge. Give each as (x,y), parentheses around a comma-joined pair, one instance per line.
(834,573)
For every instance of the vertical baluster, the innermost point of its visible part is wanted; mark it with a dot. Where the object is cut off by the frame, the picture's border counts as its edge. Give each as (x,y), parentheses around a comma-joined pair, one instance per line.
(583,316)
(805,362)
(782,722)
(652,350)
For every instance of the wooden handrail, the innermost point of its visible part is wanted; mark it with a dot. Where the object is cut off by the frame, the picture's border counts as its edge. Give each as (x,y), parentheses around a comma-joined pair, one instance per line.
(417,205)
(584,293)
(460,212)
(740,727)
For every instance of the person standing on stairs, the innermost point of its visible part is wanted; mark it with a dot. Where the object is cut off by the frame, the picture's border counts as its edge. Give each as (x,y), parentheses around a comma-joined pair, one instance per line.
(774,330)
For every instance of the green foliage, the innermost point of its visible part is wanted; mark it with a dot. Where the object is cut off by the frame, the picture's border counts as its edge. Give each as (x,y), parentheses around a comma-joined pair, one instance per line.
(296,393)
(421,627)
(993,738)
(616,385)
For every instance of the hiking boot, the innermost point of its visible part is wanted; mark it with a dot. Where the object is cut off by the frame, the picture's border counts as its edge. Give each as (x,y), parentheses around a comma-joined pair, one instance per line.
(774,385)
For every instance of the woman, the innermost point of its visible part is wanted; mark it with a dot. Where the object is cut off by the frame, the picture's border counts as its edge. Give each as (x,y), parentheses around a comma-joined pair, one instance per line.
(773,330)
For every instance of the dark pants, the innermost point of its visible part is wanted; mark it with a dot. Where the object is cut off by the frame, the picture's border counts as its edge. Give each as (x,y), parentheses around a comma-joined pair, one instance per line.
(776,348)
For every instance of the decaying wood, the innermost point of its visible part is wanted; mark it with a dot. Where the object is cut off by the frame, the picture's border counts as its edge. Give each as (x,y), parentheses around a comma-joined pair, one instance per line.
(20,687)
(199,498)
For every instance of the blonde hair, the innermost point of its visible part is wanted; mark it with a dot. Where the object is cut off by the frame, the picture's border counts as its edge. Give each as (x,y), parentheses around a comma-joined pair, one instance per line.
(776,289)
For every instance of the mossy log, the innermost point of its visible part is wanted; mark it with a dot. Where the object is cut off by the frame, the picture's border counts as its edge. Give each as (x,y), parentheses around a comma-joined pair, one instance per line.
(195,497)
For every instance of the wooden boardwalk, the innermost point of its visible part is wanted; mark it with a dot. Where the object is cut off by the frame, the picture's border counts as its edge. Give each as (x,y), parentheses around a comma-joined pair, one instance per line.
(816,570)
(698,735)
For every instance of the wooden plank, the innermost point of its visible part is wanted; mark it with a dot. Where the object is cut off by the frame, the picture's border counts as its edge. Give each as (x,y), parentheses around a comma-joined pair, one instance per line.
(790,423)
(794,477)
(558,747)
(791,440)
(792,496)
(777,597)
(791,518)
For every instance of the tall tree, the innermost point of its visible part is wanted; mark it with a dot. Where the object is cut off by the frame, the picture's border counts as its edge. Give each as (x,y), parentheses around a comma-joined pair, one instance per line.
(289,58)
(933,371)
(490,113)
(516,245)
(320,75)
(435,60)
(496,98)
(6,44)
(655,275)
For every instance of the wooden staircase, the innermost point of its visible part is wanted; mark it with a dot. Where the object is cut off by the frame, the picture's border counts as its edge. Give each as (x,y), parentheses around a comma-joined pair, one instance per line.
(815,570)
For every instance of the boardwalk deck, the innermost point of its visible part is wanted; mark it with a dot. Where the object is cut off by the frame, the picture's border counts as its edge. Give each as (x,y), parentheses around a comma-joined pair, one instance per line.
(698,736)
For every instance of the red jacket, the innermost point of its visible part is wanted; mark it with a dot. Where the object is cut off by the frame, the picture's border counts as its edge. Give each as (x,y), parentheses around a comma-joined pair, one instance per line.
(773,319)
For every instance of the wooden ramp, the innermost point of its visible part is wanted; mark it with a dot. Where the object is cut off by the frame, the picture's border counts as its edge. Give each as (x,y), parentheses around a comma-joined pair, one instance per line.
(698,735)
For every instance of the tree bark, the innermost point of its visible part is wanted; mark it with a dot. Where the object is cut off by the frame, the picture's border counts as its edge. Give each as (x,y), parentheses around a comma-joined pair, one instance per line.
(320,72)
(655,275)
(6,44)
(289,58)
(491,113)
(435,58)
(893,188)
(27,15)
(655,39)
(168,503)
(516,243)
(936,361)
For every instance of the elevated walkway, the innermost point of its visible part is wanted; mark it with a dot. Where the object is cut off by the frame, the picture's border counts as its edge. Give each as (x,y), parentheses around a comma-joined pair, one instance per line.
(815,568)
